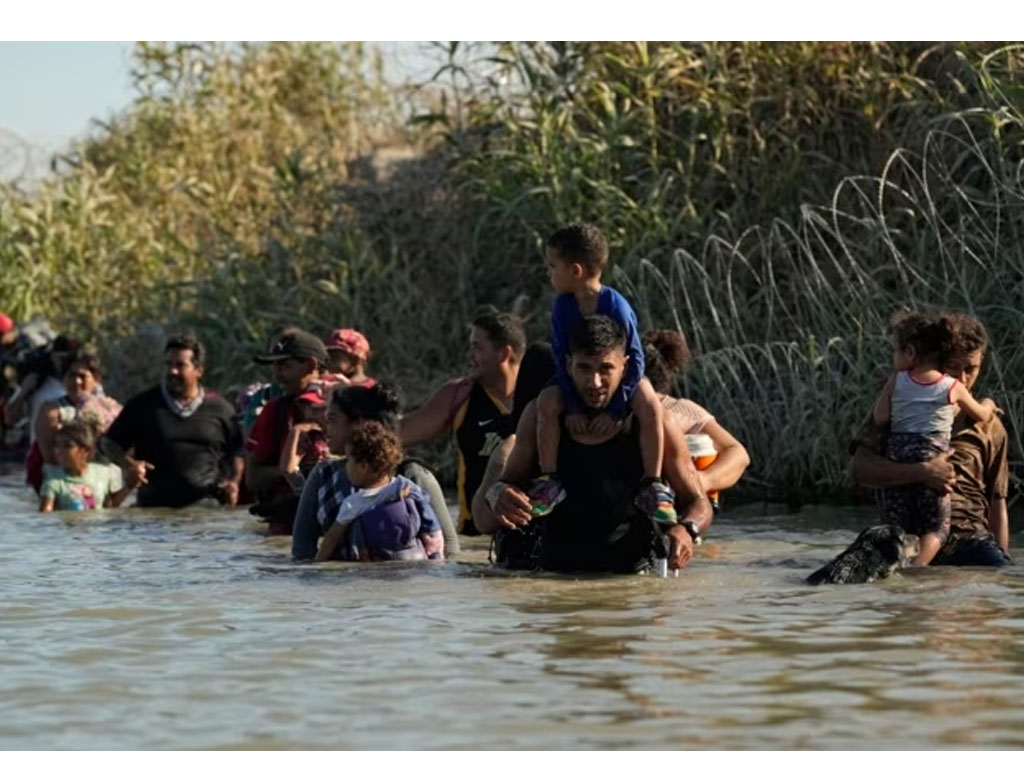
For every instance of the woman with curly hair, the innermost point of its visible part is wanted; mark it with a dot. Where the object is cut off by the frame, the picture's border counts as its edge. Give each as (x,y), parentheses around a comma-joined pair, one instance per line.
(667,354)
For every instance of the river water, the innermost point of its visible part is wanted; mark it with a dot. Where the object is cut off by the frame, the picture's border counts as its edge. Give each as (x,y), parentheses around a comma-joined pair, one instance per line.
(153,630)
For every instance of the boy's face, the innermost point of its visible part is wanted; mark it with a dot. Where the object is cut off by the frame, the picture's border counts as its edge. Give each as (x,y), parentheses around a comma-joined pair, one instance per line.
(564,275)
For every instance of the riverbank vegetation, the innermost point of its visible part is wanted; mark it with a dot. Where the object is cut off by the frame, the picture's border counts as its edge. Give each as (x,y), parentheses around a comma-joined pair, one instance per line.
(776,202)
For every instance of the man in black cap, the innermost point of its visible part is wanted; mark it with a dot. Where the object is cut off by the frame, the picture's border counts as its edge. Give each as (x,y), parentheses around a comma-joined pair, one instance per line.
(297,358)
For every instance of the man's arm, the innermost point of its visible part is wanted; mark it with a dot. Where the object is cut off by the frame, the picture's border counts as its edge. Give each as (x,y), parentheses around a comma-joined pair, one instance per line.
(874,471)
(432,419)
(731,463)
(683,477)
(998,523)
(483,515)
(511,507)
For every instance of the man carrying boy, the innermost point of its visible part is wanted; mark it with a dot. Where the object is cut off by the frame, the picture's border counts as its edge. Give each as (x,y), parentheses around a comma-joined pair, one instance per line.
(576,258)
(598,526)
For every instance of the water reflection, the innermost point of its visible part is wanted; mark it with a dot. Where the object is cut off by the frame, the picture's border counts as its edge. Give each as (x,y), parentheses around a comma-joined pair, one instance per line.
(154,629)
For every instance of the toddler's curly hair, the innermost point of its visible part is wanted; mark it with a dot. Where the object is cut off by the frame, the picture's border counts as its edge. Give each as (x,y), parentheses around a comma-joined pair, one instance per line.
(373,444)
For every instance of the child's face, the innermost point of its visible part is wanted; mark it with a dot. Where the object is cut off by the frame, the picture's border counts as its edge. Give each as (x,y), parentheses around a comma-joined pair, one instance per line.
(563,275)
(903,358)
(72,457)
(359,474)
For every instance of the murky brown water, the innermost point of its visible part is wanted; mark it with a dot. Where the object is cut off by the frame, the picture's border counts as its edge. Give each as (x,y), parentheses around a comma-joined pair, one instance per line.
(136,629)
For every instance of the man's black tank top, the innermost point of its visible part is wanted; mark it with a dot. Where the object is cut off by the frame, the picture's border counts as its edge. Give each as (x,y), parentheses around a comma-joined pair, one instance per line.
(598,527)
(480,425)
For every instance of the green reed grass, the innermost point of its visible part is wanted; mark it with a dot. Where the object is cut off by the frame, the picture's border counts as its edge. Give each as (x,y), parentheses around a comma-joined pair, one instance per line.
(775,201)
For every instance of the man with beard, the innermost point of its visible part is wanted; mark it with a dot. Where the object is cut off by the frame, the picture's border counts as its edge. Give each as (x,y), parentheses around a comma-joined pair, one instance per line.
(176,442)
(598,527)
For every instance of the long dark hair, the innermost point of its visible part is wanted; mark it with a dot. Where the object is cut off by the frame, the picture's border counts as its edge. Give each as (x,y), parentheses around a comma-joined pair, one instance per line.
(666,354)
(381,402)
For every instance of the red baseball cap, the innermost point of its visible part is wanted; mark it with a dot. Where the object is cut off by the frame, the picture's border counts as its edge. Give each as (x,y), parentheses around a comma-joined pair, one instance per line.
(313,394)
(351,341)
(6,324)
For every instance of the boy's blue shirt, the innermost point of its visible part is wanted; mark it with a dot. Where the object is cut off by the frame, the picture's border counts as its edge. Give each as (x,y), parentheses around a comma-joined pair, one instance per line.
(564,317)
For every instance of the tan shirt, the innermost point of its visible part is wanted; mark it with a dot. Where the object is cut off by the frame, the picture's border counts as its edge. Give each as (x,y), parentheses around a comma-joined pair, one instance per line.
(979,458)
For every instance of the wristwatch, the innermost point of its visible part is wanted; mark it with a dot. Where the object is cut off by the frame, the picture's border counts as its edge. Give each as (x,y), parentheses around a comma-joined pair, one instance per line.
(694,530)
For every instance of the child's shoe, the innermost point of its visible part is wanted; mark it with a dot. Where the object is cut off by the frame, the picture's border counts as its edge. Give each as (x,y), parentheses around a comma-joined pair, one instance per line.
(658,501)
(544,493)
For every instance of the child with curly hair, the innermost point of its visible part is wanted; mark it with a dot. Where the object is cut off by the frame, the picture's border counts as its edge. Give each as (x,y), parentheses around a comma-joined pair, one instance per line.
(387,517)
(919,402)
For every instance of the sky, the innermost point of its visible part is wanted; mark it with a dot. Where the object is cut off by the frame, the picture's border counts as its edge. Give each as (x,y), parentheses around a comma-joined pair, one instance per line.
(50,93)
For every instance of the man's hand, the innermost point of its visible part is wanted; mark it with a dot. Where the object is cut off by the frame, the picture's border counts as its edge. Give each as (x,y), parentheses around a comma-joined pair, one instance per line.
(512,508)
(135,472)
(995,408)
(938,473)
(604,426)
(680,547)
(577,424)
(231,492)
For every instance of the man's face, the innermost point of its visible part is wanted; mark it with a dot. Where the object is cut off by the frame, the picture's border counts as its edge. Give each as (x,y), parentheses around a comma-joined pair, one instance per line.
(484,354)
(293,374)
(965,368)
(340,361)
(597,377)
(181,374)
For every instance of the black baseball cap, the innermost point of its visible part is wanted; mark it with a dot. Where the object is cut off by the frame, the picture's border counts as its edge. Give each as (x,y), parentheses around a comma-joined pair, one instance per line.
(297,344)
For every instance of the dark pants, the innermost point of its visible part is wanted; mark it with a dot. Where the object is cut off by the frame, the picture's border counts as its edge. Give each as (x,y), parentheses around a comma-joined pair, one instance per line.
(971,549)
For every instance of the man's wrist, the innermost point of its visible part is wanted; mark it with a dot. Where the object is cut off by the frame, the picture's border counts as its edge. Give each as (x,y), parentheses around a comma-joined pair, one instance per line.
(494,492)
(693,530)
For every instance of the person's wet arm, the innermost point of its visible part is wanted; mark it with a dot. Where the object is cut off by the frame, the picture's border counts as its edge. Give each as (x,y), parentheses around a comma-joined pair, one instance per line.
(432,419)
(306,528)
(731,463)
(874,471)
(483,515)
(330,541)
(511,507)
(425,479)
(999,523)
(691,503)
